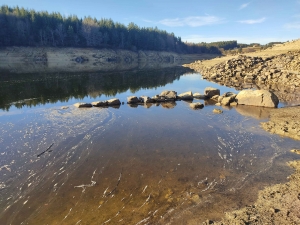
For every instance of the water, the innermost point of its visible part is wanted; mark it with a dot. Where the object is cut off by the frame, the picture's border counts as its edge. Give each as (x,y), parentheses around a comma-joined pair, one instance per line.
(154,164)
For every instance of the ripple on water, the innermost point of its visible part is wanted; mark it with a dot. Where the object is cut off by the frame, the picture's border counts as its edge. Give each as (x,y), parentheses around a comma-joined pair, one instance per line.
(134,166)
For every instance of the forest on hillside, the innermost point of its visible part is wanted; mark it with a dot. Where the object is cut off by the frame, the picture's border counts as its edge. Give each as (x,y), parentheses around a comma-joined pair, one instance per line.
(22,27)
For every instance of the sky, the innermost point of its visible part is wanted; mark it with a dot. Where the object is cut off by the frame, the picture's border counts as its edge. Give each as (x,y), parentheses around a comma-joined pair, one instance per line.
(247,21)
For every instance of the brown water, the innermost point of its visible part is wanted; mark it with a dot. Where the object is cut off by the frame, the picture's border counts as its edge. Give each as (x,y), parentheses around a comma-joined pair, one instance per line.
(157,165)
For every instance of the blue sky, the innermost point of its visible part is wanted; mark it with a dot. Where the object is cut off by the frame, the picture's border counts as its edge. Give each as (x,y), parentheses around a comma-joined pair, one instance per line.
(246,21)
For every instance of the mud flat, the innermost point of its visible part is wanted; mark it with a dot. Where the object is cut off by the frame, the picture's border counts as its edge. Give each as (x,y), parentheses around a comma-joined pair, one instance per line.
(278,204)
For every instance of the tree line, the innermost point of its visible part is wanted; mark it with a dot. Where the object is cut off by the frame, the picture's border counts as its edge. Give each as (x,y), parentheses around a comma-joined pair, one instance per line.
(22,27)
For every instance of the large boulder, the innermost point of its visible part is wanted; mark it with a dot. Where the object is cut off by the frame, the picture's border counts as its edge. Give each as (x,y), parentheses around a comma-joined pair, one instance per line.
(257,98)
(83,105)
(132,100)
(186,96)
(169,95)
(114,101)
(210,91)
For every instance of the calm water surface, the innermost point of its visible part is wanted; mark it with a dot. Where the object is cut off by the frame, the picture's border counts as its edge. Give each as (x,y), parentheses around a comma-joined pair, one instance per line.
(152,164)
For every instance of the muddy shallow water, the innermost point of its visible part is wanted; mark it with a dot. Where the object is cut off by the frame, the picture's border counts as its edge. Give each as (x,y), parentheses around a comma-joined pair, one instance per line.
(165,164)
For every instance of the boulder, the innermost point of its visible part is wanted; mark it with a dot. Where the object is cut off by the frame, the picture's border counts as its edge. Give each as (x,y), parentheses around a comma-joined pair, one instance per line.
(210,91)
(83,105)
(186,96)
(99,103)
(227,98)
(146,99)
(199,96)
(132,100)
(257,98)
(114,101)
(169,95)
(215,98)
(158,98)
(196,105)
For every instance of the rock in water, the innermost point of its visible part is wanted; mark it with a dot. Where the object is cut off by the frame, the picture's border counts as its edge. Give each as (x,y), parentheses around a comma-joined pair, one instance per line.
(199,96)
(132,100)
(99,103)
(114,101)
(186,96)
(83,105)
(196,105)
(210,91)
(257,98)
(217,111)
(169,95)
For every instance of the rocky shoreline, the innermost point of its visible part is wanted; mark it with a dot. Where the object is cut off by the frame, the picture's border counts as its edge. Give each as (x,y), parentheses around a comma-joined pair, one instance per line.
(279,74)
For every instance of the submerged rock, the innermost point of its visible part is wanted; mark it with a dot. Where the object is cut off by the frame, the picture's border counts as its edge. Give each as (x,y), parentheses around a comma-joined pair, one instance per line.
(196,105)
(257,98)
(217,111)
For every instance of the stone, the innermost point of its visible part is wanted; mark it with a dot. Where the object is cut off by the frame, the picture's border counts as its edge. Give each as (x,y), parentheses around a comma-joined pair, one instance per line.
(210,91)
(158,98)
(217,111)
(83,105)
(169,95)
(199,96)
(215,98)
(114,101)
(196,105)
(146,99)
(186,96)
(227,100)
(99,103)
(257,98)
(132,100)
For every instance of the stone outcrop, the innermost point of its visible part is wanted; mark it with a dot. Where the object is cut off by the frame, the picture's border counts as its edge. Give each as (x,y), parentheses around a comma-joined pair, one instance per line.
(257,98)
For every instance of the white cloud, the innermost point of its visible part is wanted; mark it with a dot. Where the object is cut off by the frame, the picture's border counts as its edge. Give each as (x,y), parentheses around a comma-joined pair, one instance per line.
(253,21)
(193,21)
(244,5)
(295,25)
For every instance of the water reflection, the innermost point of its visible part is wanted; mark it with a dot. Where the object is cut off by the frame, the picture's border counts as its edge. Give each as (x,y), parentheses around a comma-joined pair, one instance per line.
(34,89)
(122,166)
(150,164)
